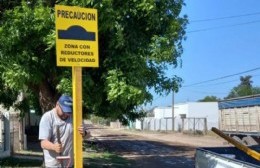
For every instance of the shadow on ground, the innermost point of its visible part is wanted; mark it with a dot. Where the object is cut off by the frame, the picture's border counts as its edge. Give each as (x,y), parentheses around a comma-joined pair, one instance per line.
(145,153)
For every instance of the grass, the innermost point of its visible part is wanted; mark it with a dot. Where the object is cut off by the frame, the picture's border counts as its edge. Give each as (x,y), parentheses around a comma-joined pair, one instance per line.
(17,162)
(94,156)
(104,159)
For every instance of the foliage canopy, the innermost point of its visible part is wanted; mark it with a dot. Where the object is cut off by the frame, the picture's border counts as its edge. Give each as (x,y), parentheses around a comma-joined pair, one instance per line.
(209,99)
(245,88)
(138,42)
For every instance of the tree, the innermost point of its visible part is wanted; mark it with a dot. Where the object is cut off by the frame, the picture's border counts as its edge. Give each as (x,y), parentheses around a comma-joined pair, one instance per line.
(256,90)
(138,41)
(209,99)
(245,88)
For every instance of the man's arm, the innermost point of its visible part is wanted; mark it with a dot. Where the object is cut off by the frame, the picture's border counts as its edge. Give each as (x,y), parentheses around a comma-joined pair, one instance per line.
(46,144)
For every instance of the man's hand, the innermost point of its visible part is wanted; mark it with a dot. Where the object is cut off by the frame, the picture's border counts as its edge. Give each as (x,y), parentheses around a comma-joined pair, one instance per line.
(83,131)
(57,147)
(46,144)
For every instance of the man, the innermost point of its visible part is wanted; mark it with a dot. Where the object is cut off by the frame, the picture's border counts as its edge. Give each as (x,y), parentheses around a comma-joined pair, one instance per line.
(56,134)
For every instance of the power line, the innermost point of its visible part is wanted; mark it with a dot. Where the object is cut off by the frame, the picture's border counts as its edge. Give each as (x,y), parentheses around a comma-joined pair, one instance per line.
(220,83)
(212,92)
(221,27)
(223,77)
(203,92)
(225,17)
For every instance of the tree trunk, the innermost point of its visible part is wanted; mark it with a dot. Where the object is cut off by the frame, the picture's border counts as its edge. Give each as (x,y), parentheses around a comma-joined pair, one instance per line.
(47,96)
(51,3)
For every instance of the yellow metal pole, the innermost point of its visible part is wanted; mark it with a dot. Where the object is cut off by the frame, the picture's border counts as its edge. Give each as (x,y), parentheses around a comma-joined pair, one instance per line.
(77,115)
(240,146)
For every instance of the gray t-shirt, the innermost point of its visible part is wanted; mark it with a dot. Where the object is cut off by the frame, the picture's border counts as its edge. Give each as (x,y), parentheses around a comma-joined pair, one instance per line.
(47,130)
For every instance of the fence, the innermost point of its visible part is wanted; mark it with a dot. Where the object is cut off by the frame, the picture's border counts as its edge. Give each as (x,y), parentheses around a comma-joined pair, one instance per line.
(9,133)
(194,125)
(153,124)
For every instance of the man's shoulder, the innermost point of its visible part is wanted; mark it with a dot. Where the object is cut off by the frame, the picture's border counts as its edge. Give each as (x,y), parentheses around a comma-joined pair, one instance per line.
(48,114)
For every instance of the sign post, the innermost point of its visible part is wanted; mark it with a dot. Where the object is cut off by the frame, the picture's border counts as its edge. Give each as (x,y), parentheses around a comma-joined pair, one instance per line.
(76,46)
(77,115)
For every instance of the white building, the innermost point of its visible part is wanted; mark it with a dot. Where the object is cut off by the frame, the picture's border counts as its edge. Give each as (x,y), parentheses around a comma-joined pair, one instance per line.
(163,115)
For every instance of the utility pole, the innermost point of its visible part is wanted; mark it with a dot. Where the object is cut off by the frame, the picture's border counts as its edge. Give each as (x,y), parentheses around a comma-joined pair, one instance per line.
(173,123)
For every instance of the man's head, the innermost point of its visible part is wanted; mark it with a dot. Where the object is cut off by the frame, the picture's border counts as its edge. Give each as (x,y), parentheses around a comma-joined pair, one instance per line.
(65,103)
(64,106)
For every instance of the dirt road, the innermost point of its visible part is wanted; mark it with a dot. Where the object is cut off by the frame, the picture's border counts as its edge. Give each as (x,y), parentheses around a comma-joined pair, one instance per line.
(153,150)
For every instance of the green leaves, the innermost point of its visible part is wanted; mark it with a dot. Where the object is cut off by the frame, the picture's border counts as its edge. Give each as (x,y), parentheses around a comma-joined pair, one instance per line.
(138,42)
(24,33)
(209,99)
(65,86)
(245,88)
(120,91)
(15,76)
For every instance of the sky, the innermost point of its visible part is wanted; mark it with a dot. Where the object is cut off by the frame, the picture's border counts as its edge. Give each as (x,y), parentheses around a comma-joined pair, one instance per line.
(223,44)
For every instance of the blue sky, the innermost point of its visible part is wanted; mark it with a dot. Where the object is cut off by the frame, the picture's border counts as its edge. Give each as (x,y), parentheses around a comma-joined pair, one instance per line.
(231,46)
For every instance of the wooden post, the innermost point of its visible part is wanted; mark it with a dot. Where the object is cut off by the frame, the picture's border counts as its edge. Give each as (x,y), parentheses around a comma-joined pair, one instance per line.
(77,115)
(205,126)
(166,124)
(160,124)
(182,125)
(154,125)
(194,126)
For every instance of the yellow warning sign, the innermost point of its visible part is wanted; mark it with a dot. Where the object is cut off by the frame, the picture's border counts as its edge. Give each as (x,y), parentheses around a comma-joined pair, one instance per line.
(76,36)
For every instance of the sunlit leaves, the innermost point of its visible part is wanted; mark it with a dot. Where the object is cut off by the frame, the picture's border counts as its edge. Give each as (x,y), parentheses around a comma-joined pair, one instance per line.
(139,41)
(64,86)
(120,91)
(245,88)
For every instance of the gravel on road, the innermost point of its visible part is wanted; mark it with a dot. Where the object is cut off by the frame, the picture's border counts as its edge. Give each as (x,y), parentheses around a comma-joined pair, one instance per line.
(154,149)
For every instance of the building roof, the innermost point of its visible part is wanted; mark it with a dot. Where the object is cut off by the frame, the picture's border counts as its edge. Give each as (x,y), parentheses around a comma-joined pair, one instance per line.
(246,101)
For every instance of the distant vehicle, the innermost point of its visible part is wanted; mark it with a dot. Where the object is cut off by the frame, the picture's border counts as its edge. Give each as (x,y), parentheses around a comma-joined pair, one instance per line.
(224,157)
(240,119)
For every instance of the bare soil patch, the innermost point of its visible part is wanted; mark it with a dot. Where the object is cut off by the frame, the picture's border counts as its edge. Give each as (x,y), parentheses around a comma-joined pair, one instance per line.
(147,149)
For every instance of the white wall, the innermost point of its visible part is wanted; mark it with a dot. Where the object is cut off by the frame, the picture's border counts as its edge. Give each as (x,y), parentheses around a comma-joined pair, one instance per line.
(162,112)
(207,110)
(138,124)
